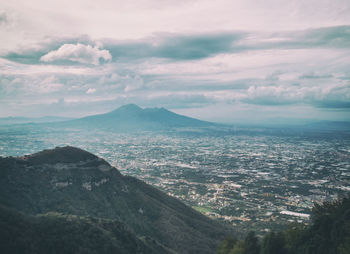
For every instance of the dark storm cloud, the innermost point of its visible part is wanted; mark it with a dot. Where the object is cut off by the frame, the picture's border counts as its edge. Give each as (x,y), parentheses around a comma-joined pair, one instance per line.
(27,57)
(192,47)
(325,37)
(314,76)
(173,47)
(333,104)
(269,101)
(338,37)
(177,47)
(33,54)
(3,18)
(197,47)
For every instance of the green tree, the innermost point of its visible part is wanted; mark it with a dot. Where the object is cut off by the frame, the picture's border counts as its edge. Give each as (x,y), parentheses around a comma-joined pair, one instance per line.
(294,237)
(344,248)
(227,245)
(239,248)
(273,243)
(251,244)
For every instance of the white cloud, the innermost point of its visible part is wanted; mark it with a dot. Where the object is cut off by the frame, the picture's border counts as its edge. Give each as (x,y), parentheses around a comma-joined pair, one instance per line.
(134,84)
(34,20)
(91,90)
(80,53)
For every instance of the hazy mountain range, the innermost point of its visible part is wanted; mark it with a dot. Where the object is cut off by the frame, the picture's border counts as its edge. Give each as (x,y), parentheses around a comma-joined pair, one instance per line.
(131,118)
(24,120)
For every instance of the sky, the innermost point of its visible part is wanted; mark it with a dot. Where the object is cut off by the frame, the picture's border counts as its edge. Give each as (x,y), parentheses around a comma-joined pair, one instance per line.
(224,60)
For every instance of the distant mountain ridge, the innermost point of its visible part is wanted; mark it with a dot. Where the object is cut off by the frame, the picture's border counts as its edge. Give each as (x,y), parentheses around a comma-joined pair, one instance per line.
(71,181)
(24,120)
(131,117)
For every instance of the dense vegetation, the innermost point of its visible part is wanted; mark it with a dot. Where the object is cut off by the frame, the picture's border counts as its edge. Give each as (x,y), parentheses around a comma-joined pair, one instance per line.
(71,181)
(328,233)
(58,233)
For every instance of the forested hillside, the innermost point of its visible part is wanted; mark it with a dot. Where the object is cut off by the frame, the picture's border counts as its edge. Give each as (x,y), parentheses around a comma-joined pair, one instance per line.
(59,233)
(328,233)
(68,183)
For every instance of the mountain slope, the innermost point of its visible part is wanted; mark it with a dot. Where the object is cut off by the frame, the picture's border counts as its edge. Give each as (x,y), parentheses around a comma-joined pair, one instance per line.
(27,120)
(71,181)
(58,233)
(133,118)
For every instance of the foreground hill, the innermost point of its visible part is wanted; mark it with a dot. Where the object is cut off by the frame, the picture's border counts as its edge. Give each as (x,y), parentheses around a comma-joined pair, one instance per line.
(71,181)
(133,118)
(59,233)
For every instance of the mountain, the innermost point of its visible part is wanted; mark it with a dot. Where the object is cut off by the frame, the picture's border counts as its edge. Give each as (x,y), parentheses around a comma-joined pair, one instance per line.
(71,181)
(25,120)
(329,126)
(133,118)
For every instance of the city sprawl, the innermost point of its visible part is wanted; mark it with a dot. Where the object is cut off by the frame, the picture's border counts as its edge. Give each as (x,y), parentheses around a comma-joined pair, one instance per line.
(256,182)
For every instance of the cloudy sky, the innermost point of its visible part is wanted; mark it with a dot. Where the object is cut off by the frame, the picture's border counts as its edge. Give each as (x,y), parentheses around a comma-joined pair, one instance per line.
(228,61)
